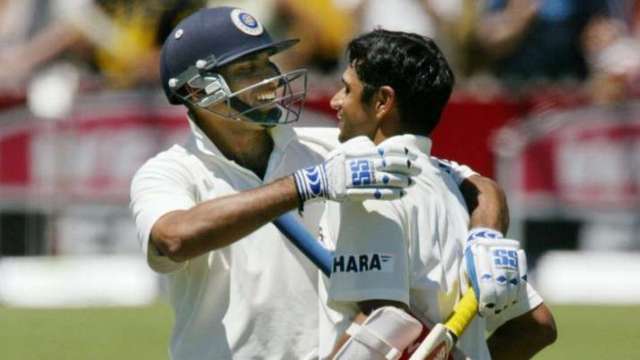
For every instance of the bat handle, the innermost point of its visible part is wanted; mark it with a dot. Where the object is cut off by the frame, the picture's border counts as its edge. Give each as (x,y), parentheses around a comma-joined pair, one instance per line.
(305,242)
(442,337)
(463,313)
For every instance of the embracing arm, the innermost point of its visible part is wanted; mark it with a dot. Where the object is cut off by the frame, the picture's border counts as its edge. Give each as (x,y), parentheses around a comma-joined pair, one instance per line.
(524,336)
(486,202)
(184,234)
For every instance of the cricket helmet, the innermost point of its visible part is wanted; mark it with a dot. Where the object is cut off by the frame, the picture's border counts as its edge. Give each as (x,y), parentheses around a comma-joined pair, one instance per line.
(211,38)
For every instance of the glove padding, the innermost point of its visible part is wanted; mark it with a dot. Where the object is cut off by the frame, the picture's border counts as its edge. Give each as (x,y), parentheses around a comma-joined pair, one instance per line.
(497,269)
(358,170)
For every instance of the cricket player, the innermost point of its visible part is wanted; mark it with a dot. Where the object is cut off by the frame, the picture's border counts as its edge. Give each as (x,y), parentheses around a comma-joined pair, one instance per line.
(203,209)
(402,263)
(194,203)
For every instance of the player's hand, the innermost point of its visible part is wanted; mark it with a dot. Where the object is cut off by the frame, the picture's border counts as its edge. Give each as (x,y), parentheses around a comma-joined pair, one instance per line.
(497,269)
(358,170)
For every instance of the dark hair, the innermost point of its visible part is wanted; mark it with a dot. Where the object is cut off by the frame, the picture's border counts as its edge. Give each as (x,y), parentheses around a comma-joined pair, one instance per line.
(412,65)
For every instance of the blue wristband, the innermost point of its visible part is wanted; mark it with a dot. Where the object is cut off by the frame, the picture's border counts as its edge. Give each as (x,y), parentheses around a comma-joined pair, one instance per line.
(483,233)
(311,182)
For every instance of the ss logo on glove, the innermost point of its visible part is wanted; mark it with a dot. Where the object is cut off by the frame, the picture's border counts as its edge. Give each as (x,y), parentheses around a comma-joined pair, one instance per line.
(506,258)
(497,270)
(361,172)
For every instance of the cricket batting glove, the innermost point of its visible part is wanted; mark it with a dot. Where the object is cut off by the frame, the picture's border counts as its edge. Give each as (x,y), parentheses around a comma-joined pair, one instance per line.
(358,170)
(497,270)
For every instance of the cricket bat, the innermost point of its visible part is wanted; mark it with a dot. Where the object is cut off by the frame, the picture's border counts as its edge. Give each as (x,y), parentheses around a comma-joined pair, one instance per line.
(442,337)
(305,242)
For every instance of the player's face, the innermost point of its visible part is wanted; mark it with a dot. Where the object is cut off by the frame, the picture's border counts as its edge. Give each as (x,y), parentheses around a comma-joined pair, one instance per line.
(354,117)
(247,72)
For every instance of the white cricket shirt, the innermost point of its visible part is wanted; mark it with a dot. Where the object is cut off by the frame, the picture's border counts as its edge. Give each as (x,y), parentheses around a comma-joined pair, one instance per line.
(256,298)
(408,250)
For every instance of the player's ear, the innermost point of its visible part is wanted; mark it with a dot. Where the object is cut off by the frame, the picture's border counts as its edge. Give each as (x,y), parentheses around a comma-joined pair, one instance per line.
(384,102)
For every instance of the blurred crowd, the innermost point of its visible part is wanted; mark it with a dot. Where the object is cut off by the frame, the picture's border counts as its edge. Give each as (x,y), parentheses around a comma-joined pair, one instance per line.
(541,53)
(496,46)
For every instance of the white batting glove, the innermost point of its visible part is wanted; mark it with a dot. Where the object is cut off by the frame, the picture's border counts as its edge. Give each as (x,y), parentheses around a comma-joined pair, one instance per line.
(497,269)
(358,170)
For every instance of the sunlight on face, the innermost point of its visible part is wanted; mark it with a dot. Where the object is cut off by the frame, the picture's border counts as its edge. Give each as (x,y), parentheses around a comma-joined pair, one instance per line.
(354,117)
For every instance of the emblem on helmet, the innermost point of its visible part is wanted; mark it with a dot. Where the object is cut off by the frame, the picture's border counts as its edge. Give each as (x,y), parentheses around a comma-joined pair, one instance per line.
(246,23)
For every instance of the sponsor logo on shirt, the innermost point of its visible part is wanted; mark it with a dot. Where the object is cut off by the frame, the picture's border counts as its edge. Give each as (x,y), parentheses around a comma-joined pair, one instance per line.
(363,263)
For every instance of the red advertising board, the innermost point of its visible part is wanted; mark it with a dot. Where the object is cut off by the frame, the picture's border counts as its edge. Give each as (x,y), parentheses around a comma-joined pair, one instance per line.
(582,158)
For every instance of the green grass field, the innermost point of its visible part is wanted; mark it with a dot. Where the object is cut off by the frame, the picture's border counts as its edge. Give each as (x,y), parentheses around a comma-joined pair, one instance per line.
(593,332)
(87,334)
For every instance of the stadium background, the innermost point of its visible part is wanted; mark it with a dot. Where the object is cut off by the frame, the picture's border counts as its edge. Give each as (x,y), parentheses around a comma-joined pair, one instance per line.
(547,103)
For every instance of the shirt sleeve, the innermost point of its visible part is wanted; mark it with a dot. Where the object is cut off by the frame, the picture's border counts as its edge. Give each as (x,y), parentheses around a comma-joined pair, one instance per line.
(321,139)
(457,171)
(370,260)
(160,186)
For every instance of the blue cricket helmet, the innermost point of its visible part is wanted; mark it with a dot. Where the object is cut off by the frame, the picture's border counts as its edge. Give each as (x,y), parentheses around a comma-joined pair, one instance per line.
(217,36)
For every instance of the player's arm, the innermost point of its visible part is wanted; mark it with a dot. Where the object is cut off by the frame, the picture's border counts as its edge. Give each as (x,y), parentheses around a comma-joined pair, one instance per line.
(486,202)
(487,253)
(184,234)
(524,336)
(210,225)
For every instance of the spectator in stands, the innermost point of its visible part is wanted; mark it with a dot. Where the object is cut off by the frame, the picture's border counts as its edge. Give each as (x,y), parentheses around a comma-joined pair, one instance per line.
(446,21)
(19,50)
(613,57)
(323,26)
(18,20)
(532,39)
(121,38)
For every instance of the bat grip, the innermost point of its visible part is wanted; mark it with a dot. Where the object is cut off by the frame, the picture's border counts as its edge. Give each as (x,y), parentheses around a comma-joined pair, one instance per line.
(463,313)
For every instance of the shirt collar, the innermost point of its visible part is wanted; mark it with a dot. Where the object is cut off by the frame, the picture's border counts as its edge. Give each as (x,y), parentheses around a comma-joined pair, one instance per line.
(416,143)
(282,136)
